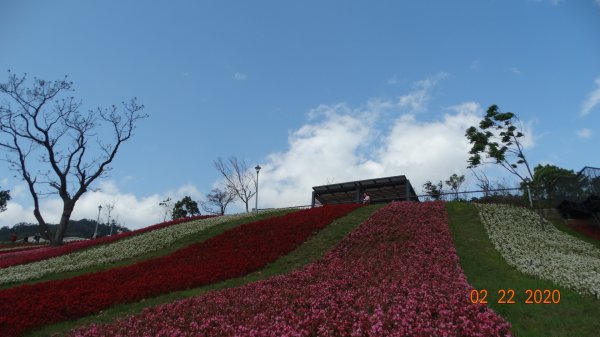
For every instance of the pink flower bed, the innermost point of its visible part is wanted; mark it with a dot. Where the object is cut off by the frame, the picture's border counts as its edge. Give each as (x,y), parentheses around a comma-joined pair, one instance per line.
(27,256)
(234,253)
(396,275)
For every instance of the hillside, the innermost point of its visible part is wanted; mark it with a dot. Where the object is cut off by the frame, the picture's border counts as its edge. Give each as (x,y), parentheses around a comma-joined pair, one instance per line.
(404,269)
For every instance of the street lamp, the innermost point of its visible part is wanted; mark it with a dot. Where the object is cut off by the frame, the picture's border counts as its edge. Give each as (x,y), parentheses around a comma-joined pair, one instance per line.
(97,221)
(257,168)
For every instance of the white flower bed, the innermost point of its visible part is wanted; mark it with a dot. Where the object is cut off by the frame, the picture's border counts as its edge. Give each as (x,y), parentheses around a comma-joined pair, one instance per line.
(549,254)
(113,252)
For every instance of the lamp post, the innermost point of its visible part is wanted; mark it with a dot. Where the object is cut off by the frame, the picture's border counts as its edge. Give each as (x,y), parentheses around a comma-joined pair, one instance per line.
(97,221)
(257,168)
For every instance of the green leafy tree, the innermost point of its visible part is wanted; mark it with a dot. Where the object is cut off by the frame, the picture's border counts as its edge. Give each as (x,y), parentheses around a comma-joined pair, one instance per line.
(185,207)
(4,198)
(454,182)
(545,176)
(434,190)
(499,140)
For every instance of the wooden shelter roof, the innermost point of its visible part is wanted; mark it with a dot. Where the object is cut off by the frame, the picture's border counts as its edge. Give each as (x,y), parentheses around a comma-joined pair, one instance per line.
(379,189)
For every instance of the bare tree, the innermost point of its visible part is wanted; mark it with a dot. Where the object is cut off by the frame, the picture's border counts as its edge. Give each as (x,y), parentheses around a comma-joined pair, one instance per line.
(238,178)
(218,199)
(54,146)
(167,208)
(108,208)
(483,182)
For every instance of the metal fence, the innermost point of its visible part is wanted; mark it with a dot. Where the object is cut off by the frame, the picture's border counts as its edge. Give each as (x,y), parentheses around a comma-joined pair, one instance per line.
(576,188)
(512,196)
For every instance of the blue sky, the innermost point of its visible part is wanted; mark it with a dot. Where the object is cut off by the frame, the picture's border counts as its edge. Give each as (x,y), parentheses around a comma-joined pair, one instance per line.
(313,91)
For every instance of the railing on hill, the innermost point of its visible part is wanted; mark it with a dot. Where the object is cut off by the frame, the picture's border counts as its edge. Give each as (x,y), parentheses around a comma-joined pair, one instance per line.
(513,196)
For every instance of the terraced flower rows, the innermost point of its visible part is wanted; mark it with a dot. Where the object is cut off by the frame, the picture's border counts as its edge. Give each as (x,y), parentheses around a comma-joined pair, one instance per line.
(396,275)
(46,252)
(231,254)
(549,253)
(133,246)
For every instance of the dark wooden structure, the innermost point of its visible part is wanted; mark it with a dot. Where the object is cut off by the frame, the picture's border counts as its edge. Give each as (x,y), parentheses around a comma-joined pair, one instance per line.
(380,190)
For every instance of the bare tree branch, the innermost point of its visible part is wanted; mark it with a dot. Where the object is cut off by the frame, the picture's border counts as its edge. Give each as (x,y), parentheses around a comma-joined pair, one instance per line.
(238,178)
(56,130)
(218,200)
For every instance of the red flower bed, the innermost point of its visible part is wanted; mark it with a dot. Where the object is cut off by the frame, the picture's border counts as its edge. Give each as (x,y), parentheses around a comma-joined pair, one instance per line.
(22,257)
(586,227)
(232,254)
(396,275)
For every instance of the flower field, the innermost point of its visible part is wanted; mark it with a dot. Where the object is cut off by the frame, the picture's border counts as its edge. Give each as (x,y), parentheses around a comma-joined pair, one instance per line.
(234,253)
(549,254)
(397,274)
(132,246)
(46,252)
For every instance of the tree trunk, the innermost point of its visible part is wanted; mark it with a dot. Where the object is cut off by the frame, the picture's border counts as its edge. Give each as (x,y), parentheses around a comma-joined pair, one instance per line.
(538,205)
(45,231)
(68,207)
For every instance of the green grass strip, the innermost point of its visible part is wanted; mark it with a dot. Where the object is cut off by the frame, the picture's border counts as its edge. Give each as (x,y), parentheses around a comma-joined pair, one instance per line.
(311,250)
(575,315)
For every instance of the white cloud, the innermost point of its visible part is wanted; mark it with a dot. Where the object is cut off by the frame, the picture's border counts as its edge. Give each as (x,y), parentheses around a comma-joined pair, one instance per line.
(551,2)
(344,146)
(416,101)
(597,2)
(393,80)
(429,150)
(132,211)
(239,76)
(342,143)
(584,133)
(592,100)
(513,70)
(330,147)
(474,65)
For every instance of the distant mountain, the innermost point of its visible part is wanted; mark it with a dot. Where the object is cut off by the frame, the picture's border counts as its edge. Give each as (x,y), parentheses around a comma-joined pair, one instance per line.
(83,228)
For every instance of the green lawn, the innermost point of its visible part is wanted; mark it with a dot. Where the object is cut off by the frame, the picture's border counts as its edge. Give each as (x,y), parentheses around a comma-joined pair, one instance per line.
(575,315)
(312,250)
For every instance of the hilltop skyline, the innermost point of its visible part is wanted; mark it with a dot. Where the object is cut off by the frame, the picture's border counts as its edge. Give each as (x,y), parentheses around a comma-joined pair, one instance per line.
(313,92)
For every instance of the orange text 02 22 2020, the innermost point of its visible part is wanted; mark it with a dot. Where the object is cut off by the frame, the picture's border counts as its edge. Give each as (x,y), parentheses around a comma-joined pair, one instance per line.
(510,296)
